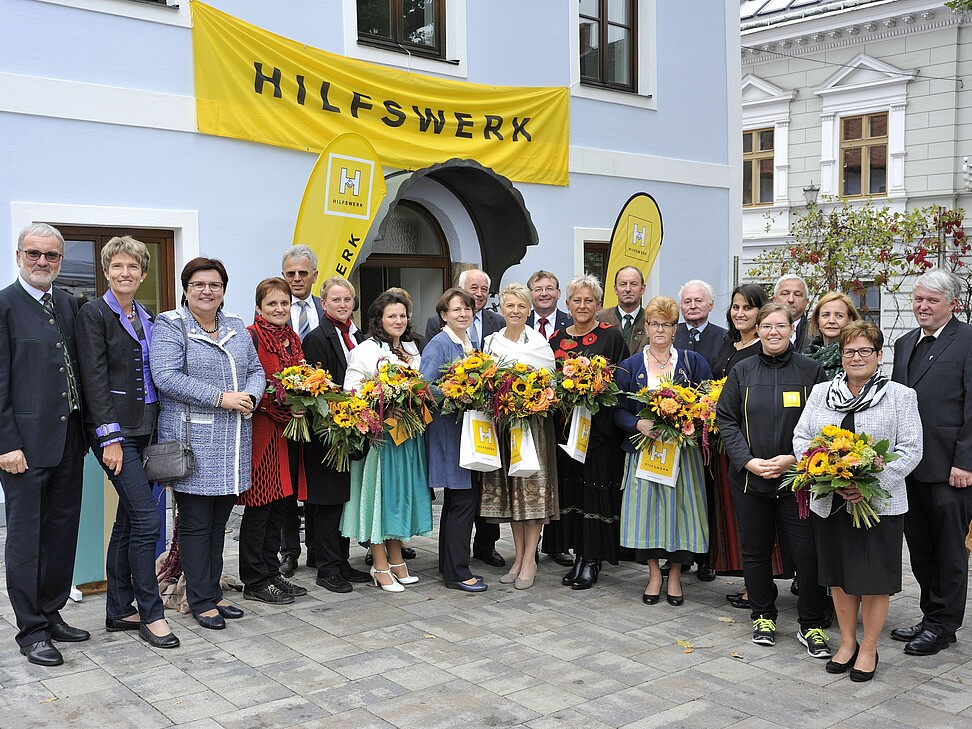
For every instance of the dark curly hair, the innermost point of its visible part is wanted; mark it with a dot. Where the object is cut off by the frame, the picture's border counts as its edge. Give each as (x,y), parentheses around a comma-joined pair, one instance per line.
(377,310)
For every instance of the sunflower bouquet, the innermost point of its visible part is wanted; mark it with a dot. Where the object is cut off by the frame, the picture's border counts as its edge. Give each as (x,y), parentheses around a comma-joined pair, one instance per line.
(587,382)
(709,393)
(837,459)
(675,410)
(467,384)
(522,391)
(349,425)
(401,398)
(305,389)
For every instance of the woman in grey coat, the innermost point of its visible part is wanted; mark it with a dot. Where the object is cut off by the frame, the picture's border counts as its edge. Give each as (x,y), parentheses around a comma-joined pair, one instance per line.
(223,383)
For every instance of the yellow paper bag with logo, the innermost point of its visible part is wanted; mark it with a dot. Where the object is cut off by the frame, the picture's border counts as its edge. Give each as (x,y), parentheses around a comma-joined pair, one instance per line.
(579,435)
(478,444)
(658,462)
(524,460)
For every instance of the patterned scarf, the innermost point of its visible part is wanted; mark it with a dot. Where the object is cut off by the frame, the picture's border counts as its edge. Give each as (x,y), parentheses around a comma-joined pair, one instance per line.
(841,399)
(274,338)
(826,355)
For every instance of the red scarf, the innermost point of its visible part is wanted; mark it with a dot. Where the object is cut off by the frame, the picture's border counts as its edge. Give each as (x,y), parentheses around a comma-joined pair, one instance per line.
(274,339)
(345,328)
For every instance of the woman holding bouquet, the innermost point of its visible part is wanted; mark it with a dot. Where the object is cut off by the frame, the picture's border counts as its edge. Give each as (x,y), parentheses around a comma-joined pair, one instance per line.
(277,346)
(660,521)
(460,490)
(390,499)
(760,405)
(526,503)
(862,566)
(590,492)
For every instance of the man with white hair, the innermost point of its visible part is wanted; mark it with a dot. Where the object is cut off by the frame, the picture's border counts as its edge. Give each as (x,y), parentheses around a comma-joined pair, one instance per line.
(696,299)
(936,361)
(791,290)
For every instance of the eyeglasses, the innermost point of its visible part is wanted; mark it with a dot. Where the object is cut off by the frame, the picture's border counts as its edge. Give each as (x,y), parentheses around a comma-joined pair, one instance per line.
(660,325)
(865,352)
(545,289)
(296,274)
(49,256)
(774,327)
(203,285)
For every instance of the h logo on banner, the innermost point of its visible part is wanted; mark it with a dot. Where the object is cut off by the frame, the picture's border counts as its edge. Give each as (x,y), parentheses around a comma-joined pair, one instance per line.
(347,181)
(639,234)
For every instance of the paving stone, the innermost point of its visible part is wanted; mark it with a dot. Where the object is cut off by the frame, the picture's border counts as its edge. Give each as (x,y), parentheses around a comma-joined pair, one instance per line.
(301,673)
(625,706)
(419,676)
(75,684)
(364,692)
(191,707)
(910,713)
(159,683)
(116,707)
(545,700)
(278,714)
(258,650)
(698,712)
(620,668)
(372,663)
(353,719)
(495,676)
(787,702)
(570,677)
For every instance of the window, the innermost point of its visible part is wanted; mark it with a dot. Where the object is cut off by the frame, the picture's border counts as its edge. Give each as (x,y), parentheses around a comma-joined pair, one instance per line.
(82,276)
(864,155)
(867,298)
(607,43)
(596,254)
(407,26)
(758,167)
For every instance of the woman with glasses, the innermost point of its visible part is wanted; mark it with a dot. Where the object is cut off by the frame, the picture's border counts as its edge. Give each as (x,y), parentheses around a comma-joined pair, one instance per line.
(209,380)
(862,566)
(659,521)
(759,408)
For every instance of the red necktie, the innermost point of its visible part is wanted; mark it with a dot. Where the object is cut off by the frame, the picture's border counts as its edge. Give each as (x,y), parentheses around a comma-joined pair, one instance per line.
(543,327)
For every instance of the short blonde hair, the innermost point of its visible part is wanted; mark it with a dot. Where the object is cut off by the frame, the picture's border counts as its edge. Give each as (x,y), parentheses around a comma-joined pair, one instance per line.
(125,245)
(663,309)
(336,281)
(519,291)
(585,281)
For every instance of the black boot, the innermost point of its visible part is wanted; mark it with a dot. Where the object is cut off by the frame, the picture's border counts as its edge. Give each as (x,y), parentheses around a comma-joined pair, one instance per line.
(590,569)
(574,571)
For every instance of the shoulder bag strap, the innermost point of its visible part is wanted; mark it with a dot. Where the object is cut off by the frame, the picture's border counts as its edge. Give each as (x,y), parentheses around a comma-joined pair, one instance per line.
(185,371)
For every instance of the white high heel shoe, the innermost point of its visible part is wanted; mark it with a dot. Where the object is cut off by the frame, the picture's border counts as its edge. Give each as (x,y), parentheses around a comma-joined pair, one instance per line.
(407,579)
(395,586)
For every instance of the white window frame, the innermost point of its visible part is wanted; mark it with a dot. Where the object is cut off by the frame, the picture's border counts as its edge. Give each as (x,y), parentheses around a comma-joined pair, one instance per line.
(764,106)
(864,86)
(454,62)
(646,63)
(175,12)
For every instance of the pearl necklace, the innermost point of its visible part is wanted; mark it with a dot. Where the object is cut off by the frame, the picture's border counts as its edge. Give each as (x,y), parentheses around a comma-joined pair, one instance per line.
(208,331)
(132,315)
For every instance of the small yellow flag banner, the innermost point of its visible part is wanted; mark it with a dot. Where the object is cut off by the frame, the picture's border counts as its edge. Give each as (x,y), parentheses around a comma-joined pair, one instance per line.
(258,86)
(340,203)
(635,241)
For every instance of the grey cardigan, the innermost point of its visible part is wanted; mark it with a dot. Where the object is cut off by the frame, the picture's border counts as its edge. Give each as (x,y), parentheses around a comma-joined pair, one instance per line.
(221,439)
(895,417)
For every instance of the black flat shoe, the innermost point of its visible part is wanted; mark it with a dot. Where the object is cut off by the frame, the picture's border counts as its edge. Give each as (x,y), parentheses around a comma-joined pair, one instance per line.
(475,587)
(408,553)
(836,667)
(157,641)
(706,573)
(926,643)
(739,602)
(350,574)
(288,565)
(906,635)
(650,599)
(564,559)
(733,596)
(211,622)
(862,676)
(230,612)
(66,634)
(42,653)
(492,558)
(113,625)
(334,583)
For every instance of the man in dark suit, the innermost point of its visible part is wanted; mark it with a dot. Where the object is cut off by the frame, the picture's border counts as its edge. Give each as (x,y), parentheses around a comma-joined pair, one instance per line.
(41,444)
(628,315)
(936,361)
(485,322)
(299,269)
(546,318)
(792,291)
(329,345)
(696,332)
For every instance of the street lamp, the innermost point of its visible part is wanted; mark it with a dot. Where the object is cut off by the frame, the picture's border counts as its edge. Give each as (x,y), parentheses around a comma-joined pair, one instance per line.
(810,192)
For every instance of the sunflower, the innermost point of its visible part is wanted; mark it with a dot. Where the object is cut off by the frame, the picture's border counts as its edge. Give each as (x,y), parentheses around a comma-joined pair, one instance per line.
(817,463)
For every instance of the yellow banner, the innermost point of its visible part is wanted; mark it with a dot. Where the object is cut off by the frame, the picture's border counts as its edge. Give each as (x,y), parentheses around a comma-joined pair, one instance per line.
(340,202)
(254,85)
(635,241)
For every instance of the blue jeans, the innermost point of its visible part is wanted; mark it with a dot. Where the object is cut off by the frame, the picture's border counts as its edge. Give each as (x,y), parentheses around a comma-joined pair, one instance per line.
(130,563)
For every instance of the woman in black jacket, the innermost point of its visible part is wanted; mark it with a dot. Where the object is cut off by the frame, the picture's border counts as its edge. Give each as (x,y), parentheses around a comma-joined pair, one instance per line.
(759,408)
(113,335)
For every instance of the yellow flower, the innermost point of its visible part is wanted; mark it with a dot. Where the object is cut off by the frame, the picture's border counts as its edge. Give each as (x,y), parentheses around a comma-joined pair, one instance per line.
(520,367)
(830,430)
(817,464)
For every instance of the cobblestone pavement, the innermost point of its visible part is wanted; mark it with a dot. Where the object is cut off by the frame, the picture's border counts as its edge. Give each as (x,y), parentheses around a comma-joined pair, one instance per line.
(431,657)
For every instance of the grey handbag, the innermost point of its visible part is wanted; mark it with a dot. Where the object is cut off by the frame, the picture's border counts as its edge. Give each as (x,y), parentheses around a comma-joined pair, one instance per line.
(172,460)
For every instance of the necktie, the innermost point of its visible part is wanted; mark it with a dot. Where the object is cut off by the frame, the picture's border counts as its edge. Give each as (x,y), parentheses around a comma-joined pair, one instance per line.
(693,337)
(543,328)
(303,323)
(919,355)
(626,327)
(47,302)
(474,338)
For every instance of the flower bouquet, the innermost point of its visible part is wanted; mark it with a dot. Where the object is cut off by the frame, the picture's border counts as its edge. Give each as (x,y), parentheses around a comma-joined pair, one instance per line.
(349,425)
(836,459)
(674,409)
(709,393)
(467,384)
(401,398)
(586,381)
(303,387)
(522,391)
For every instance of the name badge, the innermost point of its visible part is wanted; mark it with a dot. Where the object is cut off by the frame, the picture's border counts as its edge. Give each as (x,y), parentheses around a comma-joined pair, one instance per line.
(791,399)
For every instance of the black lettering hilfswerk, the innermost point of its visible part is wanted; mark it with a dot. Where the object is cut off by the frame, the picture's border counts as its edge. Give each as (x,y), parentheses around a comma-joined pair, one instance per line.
(493,127)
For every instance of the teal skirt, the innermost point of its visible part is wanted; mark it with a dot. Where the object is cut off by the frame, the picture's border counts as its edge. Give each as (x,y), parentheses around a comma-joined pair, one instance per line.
(390,496)
(654,516)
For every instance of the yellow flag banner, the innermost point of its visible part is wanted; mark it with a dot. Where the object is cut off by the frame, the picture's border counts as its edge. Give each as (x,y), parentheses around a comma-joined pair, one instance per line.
(635,241)
(340,202)
(258,86)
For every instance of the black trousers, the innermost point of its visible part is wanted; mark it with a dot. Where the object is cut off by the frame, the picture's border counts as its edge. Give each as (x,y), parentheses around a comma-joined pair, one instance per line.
(290,527)
(455,527)
(331,549)
(486,536)
(260,544)
(935,527)
(43,508)
(202,528)
(758,517)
